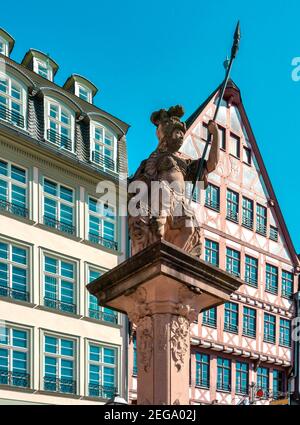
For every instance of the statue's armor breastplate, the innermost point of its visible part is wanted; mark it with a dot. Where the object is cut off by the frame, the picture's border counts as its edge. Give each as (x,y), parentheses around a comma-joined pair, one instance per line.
(165,162)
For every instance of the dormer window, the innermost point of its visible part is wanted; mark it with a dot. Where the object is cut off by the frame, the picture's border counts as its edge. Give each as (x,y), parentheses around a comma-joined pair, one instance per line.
(12,101)
(103,147)
(83,93)
(43,69)
(6,43)
(59,128)
(40,63)
(3,46)
(81,87)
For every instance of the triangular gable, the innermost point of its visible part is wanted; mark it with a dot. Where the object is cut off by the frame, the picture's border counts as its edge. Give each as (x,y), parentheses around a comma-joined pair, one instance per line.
(261,180)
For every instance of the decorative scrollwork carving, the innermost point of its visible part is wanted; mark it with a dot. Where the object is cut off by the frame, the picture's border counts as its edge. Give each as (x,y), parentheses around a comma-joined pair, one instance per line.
(179,340)
(145,342)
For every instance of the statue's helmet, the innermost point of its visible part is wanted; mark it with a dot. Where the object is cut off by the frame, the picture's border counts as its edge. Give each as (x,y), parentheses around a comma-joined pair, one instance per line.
(169,117)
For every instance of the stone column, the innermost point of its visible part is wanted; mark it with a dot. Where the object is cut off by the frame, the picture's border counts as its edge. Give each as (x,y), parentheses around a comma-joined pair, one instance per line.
(163,289)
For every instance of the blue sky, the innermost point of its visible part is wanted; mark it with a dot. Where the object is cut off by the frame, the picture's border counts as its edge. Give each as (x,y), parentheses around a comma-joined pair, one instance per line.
(144,55)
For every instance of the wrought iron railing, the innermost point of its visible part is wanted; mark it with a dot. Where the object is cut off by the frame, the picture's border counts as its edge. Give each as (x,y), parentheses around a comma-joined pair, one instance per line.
(249,332)
(15,379)
(103,160)
(285,341)
(59,225)
(274,234)
(232,215)
(102,241)
(247,222)
(261,229)
(59,139)
(209,321)
(223,386)
(251,281)
(242,390)
(60,305)
(16,294)
(272,288)
(13,208)
(134,370)
(212,204)
(230,327)
(270,338)
(103,315)
(11,116)
(202,382)
(59,385)
(103,391)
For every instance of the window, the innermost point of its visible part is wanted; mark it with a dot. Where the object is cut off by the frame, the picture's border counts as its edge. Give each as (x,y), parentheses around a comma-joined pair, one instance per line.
(287,284)
(278,384)
(242,377)
(83,92)
(209,317)
(232,206)
(14,357)
(247,155)
(103,147)
(59,365)
(249,322)
(251,271)
(285,332)
(263,380)
(102,371)
(13,271)
(95,311)
(202,370)
(59,207)
(247,218)
(13,189)
(234,146)
(12,101)
(59,284)
(231,317)
(4,47)
(212,198)
(233,262)
(102,224)
(222,137)
(223,374)
(212,252)
(43,68)
(135,367)
(261,220)
(271,279)
(59,125)
(269,328)
(274,233)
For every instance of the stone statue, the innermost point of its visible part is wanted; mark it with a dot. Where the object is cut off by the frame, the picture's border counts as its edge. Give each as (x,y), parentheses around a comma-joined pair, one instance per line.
(165,174)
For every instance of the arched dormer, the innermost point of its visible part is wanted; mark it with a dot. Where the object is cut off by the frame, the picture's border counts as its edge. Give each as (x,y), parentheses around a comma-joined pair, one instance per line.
(13,100)
(6,42)
(81,87)
(59,120)
(40,63)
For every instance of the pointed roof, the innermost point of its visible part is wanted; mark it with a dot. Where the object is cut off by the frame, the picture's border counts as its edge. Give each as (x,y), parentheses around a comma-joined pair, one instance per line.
(233,96)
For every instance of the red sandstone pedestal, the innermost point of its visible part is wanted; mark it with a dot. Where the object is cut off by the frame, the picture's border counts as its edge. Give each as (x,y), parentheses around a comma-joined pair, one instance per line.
(162,289)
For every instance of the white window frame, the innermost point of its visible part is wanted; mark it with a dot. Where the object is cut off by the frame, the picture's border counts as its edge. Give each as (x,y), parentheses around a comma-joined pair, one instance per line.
(76,357)
(102,345)
(79,86)
(22,101)
(11,181)
(6,46)
(58,200)
(93,142)
(102,218)
(39,62)
(48,101)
